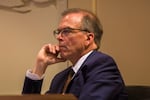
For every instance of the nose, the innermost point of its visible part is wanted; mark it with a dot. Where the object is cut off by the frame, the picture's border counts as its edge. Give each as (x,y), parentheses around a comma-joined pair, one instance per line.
(59,37)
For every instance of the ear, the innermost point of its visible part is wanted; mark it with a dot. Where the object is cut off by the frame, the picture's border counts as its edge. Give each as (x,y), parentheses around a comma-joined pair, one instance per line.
(90,38)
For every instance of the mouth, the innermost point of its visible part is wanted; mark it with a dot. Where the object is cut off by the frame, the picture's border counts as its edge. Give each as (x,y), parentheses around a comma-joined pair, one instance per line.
(62,47)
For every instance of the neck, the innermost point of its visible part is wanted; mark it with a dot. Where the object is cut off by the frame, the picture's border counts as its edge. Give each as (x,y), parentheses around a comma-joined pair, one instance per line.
(82,53)
(76,58)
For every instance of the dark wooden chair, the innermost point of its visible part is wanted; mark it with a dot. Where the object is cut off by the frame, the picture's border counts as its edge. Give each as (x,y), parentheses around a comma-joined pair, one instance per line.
(138,92)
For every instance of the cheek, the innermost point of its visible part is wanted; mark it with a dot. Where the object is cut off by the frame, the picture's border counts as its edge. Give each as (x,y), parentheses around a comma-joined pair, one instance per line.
(77,43)
(71,43)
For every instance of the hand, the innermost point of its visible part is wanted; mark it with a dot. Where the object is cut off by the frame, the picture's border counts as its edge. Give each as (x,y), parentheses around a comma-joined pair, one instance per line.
(47,55)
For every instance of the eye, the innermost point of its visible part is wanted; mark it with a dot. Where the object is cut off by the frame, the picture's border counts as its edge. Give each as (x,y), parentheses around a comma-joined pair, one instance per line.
(66,31)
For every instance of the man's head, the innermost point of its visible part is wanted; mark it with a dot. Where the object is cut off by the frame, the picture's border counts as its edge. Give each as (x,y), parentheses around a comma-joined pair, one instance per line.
(89,22)
(79,32)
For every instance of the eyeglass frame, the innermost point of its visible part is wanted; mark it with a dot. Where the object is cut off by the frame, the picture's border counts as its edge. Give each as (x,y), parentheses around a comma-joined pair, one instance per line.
(67,30)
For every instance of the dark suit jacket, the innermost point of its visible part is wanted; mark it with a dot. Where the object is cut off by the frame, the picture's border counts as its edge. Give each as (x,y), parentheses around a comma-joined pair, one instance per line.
(97,79)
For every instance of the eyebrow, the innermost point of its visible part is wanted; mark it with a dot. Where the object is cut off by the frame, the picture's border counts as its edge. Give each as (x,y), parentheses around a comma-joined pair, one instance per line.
(66,28)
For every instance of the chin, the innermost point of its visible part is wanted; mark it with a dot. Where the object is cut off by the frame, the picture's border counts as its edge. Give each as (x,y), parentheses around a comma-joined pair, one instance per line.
(65,55)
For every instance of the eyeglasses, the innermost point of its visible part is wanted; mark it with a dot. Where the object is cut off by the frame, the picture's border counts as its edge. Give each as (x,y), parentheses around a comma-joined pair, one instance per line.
(66,31)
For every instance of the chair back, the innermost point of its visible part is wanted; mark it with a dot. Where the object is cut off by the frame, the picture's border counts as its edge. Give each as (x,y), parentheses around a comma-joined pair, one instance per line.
(138,92)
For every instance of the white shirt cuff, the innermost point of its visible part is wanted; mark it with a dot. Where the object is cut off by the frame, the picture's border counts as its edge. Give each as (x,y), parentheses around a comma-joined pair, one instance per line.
(32,76)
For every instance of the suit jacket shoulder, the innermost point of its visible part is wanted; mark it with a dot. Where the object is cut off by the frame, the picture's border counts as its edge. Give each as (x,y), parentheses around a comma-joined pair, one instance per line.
(97,78)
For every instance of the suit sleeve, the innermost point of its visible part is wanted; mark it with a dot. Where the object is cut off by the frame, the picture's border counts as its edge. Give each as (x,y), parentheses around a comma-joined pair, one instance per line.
(32,86)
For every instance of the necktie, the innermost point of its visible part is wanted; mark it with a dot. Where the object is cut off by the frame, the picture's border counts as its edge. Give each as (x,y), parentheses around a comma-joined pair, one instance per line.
(70,75)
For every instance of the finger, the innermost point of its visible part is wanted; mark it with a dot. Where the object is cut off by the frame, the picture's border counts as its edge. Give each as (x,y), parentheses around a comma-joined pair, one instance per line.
(52,49)
(47,49)
(57,48)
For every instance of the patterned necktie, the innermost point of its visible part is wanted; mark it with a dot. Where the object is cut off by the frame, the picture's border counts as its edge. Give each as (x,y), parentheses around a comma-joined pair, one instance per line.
(70,75)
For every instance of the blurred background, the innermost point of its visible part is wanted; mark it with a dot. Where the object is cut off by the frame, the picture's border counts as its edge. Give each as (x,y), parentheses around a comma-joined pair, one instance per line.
(26,25)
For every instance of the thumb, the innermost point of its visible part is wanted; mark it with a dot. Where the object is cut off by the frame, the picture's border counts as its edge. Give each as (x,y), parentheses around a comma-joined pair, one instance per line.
(60,60)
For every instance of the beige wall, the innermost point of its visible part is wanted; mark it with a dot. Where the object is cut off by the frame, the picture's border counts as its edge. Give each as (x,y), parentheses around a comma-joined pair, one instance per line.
(126,37)
(126,32)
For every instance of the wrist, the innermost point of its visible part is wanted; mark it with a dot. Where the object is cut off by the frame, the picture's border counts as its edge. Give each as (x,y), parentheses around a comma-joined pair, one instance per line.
(39,69)
(33,76)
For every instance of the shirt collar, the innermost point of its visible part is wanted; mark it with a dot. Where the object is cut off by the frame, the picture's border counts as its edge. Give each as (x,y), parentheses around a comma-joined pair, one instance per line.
(80,62)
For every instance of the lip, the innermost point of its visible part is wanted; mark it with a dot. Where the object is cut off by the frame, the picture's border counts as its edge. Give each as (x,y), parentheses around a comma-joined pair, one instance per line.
(62,47)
